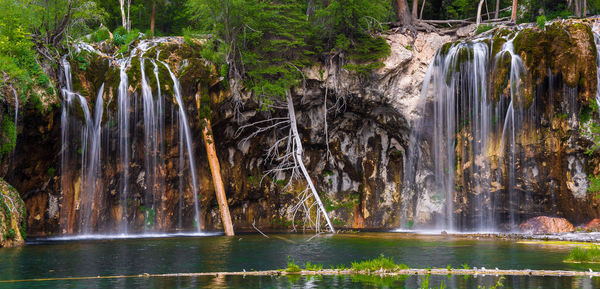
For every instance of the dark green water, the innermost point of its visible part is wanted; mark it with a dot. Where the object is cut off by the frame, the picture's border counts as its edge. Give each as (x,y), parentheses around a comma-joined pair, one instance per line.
(52,259)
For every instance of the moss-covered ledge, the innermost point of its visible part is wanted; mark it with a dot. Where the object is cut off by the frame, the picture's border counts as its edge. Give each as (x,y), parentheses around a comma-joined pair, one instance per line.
(12,216)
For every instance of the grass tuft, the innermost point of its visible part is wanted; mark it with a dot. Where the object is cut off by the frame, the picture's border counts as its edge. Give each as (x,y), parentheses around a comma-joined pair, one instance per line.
(378,263)
(583,255)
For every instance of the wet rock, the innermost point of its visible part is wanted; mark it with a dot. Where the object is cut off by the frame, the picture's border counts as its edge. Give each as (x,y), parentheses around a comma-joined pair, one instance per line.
(546,225)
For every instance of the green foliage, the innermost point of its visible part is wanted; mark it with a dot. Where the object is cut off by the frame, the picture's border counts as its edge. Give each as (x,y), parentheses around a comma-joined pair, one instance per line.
(466,266)
(541,21)
(10,234)
(378,263)
(292,267)
(583,255)
(313,267)
(100,35)
(8,136)
(149,215)
(267,43)
(51,171)
(483,28)
(122,38)
(594,185)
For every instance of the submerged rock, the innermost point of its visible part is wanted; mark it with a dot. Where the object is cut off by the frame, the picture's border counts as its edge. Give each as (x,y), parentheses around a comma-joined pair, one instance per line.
(546,225)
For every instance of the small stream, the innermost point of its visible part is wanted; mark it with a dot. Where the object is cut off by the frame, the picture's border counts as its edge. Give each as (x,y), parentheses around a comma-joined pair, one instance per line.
(44,258)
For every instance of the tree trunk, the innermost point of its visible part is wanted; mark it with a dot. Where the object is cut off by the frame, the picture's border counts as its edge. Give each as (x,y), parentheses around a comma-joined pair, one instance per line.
(497,9)
(513,17)
(128,18)
(584,8)
(215,169)
(298,157)
(422,8)
(415,8)
(404,16)
(122,3)
(152,18)
(478,19)
(577,10)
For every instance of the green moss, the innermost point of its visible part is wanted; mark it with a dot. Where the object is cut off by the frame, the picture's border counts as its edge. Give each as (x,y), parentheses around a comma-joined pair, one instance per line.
(8,136)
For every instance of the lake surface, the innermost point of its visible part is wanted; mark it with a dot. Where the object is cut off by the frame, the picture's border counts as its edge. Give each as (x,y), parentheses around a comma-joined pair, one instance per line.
(82,258)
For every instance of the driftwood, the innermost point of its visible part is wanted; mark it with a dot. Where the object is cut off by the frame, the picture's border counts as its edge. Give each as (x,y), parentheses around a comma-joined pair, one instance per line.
(333,272)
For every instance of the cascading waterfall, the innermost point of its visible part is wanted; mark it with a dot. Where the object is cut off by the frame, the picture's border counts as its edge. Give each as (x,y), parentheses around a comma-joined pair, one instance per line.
(596,32)
(187,138)
(466,131)
(86,140)
(123,119)
(16,95)
(512,123)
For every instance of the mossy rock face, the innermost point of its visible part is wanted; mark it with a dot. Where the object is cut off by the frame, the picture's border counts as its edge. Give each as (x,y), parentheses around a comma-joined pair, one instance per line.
(195,74)
(12,216)
(567,49)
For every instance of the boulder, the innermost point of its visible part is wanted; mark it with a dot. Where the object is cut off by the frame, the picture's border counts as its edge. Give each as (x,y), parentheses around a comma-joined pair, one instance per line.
(466,31)
(593,225)
(546,225)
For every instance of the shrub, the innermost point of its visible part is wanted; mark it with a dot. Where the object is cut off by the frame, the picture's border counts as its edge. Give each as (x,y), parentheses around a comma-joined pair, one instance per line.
(541,21)
(483,28)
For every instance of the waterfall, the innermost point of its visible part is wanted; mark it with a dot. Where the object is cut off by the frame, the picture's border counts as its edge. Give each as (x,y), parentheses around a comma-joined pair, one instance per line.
(16,95)
(151,140)
(596,32)
(187,138)
(102,142)
(465,131)
(91,169)
(123,118)
(509,132)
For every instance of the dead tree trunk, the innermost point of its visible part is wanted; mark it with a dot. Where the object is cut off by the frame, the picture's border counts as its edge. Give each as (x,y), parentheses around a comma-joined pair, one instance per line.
(404,16)
(123,18)
(298,156)
(215,169)
(478,19)
(422,8)
(513,17)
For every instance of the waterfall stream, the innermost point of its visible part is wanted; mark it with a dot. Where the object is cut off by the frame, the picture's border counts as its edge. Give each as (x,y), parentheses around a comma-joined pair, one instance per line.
(86,136)
(469,135)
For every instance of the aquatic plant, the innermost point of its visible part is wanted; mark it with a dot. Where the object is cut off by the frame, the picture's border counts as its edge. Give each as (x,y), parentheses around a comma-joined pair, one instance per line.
(378,263)
(292,266)
(583,255)
(313,267)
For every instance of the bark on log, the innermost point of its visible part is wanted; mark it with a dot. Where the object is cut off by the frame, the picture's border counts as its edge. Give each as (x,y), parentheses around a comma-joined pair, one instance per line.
(215,169)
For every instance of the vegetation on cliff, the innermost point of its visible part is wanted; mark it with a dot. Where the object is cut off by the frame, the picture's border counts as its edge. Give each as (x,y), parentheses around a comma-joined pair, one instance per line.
(12,216)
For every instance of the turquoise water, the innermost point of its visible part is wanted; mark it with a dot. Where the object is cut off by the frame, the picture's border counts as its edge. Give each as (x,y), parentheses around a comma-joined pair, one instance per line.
(59,259)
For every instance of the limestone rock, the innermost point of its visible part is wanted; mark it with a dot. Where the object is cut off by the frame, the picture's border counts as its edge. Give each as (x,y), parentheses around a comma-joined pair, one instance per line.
(466,31)
(546,225)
